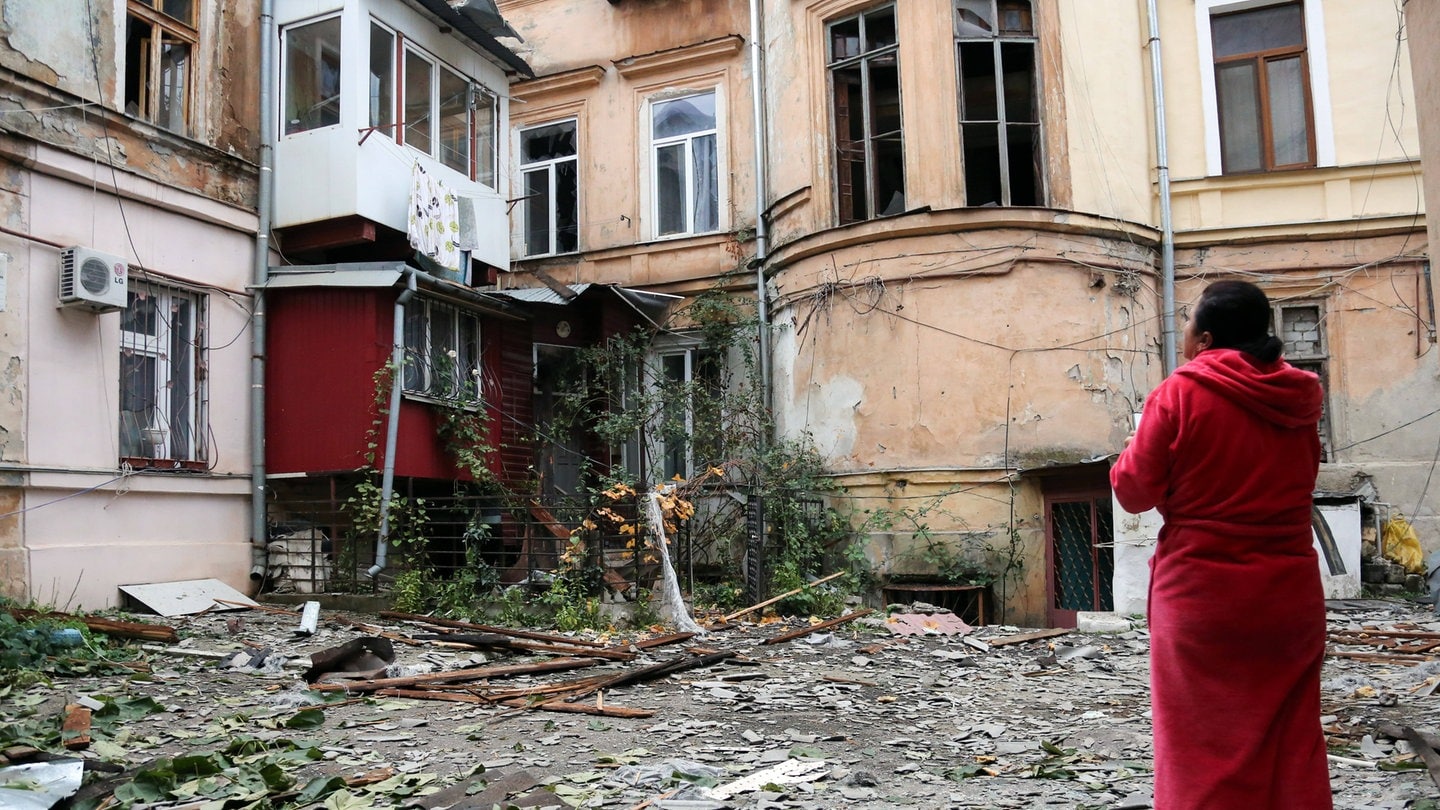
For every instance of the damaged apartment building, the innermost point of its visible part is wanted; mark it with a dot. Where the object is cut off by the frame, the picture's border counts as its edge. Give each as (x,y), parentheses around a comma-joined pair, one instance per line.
(128,138)
(962,225)
(967,223)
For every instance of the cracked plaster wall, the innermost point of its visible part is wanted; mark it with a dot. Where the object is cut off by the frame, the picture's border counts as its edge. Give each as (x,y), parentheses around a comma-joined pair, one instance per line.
(188,214)
(920,369)
(13,556)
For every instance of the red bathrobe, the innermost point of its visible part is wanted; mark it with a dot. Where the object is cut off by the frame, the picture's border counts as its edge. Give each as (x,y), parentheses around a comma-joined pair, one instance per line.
(1228,451)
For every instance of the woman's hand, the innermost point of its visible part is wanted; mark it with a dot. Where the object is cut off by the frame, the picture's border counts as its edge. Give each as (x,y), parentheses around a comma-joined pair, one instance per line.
(1129,439)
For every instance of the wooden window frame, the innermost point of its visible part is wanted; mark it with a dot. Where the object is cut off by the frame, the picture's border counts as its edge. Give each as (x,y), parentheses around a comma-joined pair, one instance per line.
(844,190)
(187,32)
(1262,93)
(1000,37)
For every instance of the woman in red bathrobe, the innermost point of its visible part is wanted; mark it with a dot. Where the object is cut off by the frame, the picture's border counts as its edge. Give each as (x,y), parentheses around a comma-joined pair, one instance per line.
(1228,451)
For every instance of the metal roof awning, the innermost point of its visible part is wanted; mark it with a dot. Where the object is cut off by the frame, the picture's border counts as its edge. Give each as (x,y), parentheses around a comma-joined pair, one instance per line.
(650,305)
(480,22)
(377,275)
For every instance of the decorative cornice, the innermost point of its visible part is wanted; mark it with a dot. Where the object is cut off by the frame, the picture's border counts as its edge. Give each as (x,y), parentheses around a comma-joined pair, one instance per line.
(577,80)
(674,59)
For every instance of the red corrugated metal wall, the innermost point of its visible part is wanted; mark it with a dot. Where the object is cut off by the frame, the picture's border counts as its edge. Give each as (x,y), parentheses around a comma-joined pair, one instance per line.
(325,346)
(509,352)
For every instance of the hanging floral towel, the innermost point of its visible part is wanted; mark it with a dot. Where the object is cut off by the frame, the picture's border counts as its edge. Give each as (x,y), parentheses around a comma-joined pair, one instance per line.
(434,225)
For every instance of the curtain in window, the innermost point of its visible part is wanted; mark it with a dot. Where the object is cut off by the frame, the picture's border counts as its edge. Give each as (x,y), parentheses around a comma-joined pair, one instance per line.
(707,192)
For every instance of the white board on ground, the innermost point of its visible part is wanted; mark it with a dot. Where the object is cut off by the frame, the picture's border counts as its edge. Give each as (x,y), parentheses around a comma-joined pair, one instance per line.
(187,597)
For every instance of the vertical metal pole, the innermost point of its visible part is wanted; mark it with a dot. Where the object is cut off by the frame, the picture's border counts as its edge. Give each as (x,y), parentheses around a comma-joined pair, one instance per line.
(259,526)
(1167,229)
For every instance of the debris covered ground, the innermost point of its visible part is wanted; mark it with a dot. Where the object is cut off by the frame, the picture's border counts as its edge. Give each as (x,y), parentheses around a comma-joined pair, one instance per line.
(871,712)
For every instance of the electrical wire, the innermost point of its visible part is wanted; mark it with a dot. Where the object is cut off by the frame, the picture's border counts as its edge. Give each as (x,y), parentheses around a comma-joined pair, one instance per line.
(121,477)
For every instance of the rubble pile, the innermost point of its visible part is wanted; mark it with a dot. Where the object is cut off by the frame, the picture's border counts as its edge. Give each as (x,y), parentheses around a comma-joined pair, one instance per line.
(914,709)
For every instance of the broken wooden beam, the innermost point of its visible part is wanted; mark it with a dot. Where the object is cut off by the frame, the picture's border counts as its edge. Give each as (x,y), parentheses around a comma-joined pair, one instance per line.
(652,643)
(458,675)
(825,625)
(656,671)
(579,708)
(520,703)
(1387,633)
(1397,732)
(485,628)
(1035,636)
(110,627)
(1400,659)
(494,641)
(1425,751)
(768,602)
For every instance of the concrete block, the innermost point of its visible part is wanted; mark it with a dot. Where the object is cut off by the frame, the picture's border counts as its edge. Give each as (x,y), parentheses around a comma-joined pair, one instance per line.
(1101,622)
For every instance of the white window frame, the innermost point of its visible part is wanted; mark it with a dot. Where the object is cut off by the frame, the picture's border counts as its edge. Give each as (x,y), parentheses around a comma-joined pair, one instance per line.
(687,141)
(657,444)
(284,98)
(156,436)
(548,166)
(1315,52)
(424,375)
(479,159)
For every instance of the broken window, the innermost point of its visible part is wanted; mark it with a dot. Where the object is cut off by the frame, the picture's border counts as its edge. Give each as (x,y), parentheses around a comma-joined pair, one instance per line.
(162,381)
(995,50)
(1301,326)
(160,37)
(687,194)
(549,171)
(1262,89)
(442,351)
(312,76)
(864,64)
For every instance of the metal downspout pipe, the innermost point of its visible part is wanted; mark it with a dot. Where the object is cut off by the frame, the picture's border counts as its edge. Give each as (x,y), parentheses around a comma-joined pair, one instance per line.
(392,423)
(762,231)
(1167,228)
(259,524)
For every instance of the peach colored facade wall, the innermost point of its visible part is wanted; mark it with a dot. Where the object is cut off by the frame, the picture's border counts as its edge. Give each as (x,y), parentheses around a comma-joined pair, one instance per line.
(951,351)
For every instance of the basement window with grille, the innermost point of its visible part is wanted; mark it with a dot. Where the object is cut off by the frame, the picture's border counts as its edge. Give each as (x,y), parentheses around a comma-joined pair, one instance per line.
(1301,326)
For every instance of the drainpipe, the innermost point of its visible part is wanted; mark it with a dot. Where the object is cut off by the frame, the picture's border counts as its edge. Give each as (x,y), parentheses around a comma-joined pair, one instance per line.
(762,231)
(392,423)
(1167,229)
(259,525)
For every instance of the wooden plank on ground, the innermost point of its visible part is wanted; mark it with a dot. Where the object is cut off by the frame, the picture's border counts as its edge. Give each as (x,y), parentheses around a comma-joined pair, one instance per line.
(458,675)
(768,602)
(485,628)
(825,625)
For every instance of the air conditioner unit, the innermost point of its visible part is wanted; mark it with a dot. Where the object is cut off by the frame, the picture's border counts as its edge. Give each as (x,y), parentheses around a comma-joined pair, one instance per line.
(92,280)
